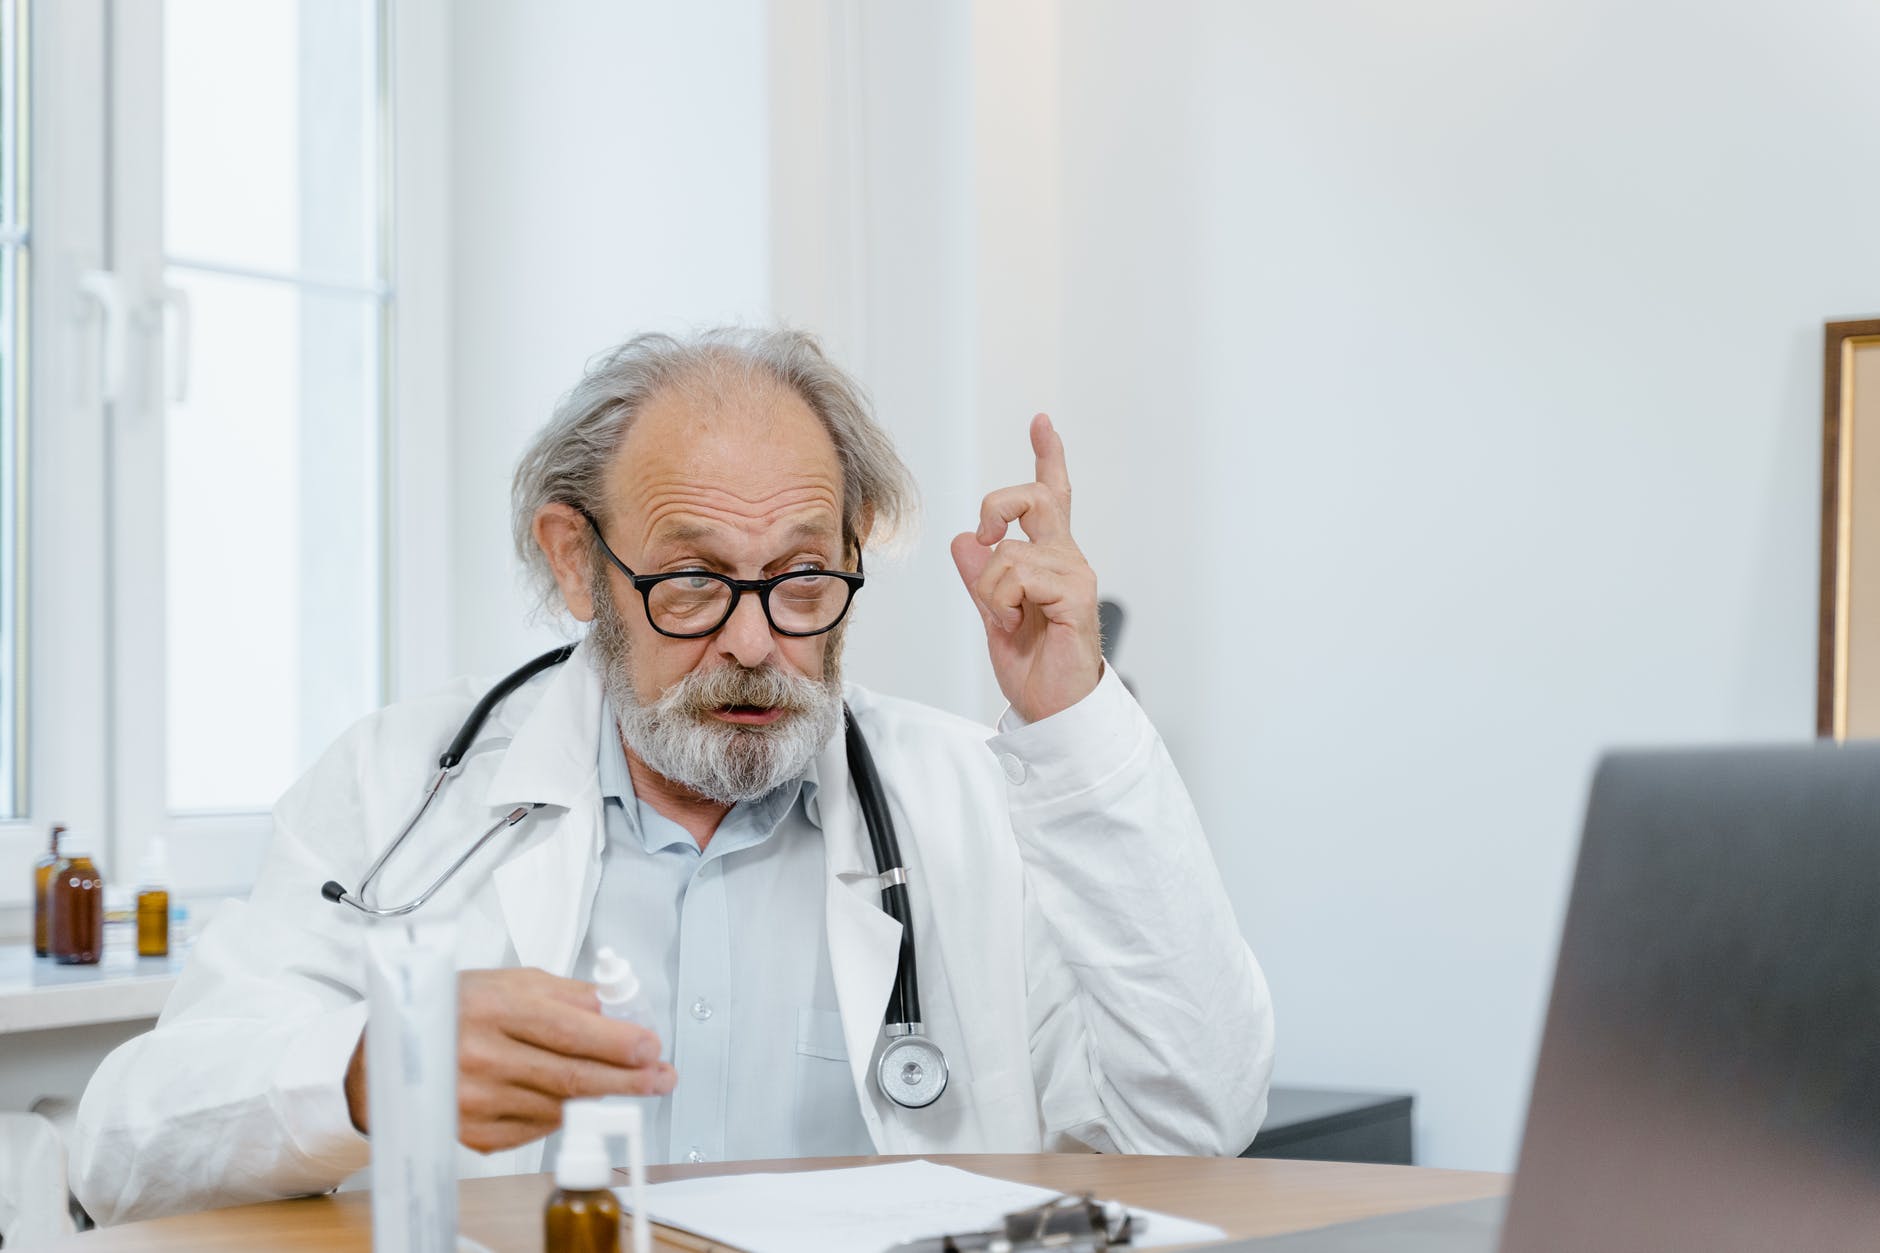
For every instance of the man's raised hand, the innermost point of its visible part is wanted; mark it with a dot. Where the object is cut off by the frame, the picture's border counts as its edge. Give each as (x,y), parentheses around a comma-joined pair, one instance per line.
(1037,596)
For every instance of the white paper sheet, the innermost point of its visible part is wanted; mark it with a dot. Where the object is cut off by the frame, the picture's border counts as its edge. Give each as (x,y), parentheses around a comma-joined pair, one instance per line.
(866,1209)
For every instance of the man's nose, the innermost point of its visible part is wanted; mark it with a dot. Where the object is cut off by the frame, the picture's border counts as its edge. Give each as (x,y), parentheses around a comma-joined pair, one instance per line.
(745,637)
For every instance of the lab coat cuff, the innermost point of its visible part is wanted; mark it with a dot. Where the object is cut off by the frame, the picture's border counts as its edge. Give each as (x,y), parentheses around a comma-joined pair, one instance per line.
(1075,750)
(310,1089)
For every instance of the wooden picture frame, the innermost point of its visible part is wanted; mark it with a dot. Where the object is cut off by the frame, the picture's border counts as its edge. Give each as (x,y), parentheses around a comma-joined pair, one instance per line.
(1847,699)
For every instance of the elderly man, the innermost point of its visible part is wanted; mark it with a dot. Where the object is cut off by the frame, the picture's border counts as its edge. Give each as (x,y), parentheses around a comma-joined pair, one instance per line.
(705,505)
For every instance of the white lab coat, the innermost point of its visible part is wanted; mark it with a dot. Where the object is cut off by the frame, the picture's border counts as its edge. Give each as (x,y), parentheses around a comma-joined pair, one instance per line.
(1078,958)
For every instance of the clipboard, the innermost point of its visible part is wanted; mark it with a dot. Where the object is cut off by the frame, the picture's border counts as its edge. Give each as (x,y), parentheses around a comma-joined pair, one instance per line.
(1065,1224)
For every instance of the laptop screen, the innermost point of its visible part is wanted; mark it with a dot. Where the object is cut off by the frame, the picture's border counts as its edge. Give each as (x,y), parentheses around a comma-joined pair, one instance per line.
(1709,1077)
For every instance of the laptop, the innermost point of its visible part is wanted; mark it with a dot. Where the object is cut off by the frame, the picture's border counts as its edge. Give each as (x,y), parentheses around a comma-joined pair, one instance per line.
(1709,1076)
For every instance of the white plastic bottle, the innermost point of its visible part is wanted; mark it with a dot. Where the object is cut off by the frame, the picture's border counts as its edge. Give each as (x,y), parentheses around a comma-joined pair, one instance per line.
(619,990)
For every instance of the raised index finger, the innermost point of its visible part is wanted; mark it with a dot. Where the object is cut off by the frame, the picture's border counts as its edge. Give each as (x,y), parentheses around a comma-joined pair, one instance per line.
(1049,449)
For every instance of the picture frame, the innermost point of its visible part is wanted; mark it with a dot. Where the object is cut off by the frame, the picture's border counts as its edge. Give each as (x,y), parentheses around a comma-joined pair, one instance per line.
(1847,703)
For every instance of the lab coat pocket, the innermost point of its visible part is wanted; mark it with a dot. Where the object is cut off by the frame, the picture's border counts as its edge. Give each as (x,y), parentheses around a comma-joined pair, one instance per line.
(819,1034)
(828,1119)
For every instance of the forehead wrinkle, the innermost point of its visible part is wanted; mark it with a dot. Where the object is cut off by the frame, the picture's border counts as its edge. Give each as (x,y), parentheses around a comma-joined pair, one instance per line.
(683,515)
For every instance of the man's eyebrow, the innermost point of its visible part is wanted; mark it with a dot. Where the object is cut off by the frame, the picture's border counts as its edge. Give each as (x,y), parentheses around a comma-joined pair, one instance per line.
(680,532)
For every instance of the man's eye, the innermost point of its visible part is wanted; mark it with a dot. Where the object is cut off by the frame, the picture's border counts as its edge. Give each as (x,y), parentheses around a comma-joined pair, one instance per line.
(696,583)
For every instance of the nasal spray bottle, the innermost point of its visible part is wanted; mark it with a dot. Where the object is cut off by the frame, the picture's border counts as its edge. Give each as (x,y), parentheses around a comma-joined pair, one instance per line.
(583,1215)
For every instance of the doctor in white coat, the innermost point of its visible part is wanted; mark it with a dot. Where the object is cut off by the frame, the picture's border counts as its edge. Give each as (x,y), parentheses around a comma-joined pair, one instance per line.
(1079,962)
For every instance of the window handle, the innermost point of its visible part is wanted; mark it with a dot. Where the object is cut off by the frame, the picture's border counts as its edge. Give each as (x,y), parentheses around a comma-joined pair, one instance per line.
(177,324)
(107,291)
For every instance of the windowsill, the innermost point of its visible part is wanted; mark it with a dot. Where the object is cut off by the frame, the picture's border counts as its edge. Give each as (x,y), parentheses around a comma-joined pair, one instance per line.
(38,994)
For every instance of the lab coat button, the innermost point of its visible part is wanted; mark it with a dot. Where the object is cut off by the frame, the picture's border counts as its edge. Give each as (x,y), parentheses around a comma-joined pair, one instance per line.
(701,1009)
(1014,768)
(695,1156)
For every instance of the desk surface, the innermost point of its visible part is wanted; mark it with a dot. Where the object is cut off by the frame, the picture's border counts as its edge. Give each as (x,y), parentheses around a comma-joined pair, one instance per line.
(1244,1196)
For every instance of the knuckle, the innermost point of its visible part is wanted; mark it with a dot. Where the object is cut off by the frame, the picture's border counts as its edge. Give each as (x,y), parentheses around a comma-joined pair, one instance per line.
(474,1055)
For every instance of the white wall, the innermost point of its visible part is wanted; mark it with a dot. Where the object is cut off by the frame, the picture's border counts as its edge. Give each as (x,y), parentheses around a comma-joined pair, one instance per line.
(610,166)
(1490,420)
(1441,385)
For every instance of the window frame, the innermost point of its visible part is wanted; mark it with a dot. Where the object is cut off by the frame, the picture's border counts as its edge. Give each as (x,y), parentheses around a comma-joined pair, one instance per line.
(88,764)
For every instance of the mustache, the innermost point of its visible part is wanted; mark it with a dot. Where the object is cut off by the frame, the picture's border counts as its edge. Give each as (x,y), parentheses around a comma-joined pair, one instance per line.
(763,687)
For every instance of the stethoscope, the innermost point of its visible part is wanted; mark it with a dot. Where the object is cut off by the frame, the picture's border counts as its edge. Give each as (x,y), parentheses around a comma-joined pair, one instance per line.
(912,1069)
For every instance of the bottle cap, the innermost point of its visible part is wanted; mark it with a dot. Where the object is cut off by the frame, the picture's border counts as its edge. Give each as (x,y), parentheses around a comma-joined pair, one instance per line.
(614,978)
(583,1165)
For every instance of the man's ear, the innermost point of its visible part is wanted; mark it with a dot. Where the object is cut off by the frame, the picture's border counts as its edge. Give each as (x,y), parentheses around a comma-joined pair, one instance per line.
(564,537)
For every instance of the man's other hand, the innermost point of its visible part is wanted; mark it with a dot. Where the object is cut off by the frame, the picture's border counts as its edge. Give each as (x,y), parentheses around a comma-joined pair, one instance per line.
(527,1041)
(1037,596)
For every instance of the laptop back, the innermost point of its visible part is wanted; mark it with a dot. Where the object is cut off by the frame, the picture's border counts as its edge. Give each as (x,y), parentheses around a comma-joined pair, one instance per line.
(1709,1077)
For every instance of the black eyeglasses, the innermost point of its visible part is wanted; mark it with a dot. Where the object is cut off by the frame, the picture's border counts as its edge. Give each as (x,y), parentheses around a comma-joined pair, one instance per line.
(691,604)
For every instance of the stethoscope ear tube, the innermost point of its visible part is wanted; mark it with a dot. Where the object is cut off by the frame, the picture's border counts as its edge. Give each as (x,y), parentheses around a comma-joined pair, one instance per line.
(494,697)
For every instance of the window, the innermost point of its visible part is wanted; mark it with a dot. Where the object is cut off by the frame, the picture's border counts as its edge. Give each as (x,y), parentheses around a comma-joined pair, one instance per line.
(15,268)
(272,546)
(201,590)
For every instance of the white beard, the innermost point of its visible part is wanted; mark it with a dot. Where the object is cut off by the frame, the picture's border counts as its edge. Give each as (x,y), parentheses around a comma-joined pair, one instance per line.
(677,737)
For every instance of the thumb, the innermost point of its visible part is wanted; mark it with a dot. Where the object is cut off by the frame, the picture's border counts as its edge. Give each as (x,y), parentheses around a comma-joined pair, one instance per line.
(971,557)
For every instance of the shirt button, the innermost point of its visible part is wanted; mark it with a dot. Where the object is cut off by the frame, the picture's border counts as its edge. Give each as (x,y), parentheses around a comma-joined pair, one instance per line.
(1014,768)
(695,1156)
(701,1010)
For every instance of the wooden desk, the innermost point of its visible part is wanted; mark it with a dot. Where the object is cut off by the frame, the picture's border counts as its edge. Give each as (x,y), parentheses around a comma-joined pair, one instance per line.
(1243,1196)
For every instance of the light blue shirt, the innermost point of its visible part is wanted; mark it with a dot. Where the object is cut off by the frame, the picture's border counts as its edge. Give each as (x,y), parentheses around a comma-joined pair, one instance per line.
(733,961)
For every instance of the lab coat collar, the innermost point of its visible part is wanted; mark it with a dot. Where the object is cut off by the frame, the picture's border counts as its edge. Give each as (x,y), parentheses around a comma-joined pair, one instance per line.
(547,889)
(553,755)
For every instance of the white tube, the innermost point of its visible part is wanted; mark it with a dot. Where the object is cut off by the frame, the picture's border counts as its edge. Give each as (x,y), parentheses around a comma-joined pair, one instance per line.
(411,1083)
(636,1180)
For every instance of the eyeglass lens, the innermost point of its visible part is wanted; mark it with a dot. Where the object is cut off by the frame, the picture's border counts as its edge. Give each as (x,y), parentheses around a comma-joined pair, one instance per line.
(800,603)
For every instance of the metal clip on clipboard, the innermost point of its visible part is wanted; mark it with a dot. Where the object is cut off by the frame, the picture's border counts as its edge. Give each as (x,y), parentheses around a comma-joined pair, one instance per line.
(1068,1224)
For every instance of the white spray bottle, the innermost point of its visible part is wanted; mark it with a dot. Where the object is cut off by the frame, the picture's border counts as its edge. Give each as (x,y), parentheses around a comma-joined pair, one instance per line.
(583,1213)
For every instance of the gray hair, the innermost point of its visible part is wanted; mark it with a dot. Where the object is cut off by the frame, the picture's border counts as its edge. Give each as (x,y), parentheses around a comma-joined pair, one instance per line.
(569,460)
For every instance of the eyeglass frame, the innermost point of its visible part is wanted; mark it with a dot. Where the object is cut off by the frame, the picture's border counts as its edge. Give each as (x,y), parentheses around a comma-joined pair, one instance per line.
(645,583)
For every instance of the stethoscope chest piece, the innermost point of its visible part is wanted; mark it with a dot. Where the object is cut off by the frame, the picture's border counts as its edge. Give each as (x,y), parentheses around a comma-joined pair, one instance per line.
(912,1071)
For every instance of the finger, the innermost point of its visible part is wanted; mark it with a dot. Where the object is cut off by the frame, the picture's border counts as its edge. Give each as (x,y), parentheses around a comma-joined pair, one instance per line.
(999,611)
(485,1099)
(573,1032)
(971,558)
(1048,446)
(1052,592)
(495,1134)
(1034,506)
(564,1078)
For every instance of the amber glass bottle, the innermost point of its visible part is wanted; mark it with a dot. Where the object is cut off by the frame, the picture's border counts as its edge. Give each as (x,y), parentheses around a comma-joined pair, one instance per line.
(153,923)
(153,901)
(581,1221)
(75,912)
(42,878)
